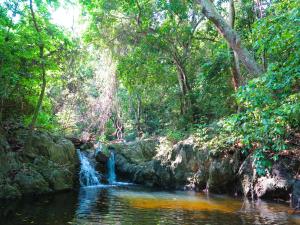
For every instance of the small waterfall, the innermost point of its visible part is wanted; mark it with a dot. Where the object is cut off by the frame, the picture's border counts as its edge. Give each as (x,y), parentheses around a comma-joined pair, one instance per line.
(88,176)
(111,169)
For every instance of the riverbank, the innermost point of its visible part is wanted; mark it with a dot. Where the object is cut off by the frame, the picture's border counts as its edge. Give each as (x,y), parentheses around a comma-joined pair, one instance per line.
(50,164)
(187,165)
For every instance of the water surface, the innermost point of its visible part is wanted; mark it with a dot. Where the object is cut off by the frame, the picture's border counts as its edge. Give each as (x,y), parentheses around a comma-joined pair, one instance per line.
(121,204)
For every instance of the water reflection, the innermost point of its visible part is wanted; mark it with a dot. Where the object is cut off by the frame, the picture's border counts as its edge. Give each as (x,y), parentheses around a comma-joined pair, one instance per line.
(135,205)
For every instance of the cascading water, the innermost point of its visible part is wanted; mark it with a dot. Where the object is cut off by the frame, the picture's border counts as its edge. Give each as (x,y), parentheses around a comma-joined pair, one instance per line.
(111,168)
(88,176)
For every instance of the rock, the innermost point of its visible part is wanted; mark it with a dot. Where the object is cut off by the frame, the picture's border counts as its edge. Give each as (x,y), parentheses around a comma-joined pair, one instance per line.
(101,162)
(296,194)
(138,151)
(278,184)
(153,174)
(59,178)
(199,180)
(221,175)
(86,146)
(101,157)
(275,184)
(159,163)
(31,182)
(9,192)
(49,164)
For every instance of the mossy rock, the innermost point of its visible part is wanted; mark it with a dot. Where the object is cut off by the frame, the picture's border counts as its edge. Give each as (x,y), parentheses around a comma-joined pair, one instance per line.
(138,151)
(31,182)
(4,146)
(221,175)
(9,192)
(58,177)
(9,163)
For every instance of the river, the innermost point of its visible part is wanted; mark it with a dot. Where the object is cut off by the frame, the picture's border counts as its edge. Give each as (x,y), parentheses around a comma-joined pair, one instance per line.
(132,204)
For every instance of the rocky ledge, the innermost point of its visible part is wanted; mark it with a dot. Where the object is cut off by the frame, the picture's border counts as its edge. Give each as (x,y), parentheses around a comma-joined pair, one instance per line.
(47,165)
(185,165)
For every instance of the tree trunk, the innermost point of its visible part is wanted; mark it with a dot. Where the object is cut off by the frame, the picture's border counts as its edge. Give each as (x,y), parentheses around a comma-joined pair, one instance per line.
(235,66)
(184,87)
(42,66)
(42,93)
(259,11)
(138,116)
(233,39)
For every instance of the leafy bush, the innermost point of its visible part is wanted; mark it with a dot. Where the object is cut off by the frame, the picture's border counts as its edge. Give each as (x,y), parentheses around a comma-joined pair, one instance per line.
(175,135)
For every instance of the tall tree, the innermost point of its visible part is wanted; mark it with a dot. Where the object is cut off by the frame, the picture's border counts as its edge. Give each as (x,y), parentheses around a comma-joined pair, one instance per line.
(42,66)
(231,36)
(235,65)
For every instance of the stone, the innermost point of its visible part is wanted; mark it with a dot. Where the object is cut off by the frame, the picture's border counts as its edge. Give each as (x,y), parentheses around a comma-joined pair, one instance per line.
(101,157)
(221,175)
(296,194)
(9,192)
(49,164)
(277,184)
(31,182)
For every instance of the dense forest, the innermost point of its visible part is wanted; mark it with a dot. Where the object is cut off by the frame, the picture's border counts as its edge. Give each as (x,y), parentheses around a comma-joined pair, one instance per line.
(124,105)
(227,72)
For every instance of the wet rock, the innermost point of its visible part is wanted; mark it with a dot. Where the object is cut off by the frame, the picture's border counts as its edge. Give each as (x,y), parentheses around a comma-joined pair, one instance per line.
(31,182)
(296,194)
(48,164)
(101,158)
(9,192)
(86,146)
(221,175)
(154,174)
(276,184)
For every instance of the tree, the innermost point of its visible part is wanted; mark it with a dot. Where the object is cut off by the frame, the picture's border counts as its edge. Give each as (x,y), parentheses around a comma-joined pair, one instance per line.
(230,35)
(235,65)
(42,66)
(32,51)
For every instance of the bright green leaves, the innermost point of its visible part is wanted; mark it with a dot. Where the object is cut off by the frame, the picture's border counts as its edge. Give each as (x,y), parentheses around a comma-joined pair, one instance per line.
(277,34)
(270,106)
(20,73)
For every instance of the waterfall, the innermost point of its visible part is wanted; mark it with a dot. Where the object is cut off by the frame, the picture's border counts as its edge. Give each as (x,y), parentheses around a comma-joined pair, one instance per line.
(111,168)
(88,176)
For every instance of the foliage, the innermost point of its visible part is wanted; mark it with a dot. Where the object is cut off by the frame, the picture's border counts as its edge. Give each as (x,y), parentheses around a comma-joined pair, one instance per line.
(20,73)
(156,68)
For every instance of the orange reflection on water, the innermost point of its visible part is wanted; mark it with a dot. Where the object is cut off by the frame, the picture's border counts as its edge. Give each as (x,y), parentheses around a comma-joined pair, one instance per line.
(153,203)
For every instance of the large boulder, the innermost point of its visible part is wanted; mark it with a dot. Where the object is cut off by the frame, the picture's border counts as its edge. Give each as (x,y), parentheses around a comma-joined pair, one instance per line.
(296,194)
(48,164)
(154,174)
(221,175)
(159,163)
(31,181)
(187,165)
(277,183)
(138,151)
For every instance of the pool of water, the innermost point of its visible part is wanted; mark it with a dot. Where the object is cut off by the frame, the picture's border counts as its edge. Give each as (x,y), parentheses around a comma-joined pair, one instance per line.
(122,204)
